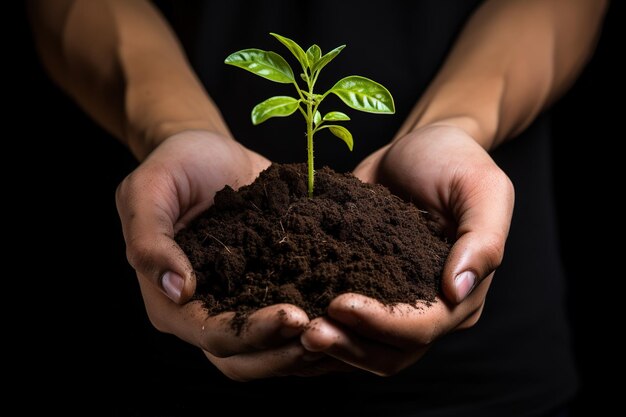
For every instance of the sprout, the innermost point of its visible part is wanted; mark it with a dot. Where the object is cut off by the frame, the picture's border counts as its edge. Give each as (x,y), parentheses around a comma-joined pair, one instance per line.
(357,92)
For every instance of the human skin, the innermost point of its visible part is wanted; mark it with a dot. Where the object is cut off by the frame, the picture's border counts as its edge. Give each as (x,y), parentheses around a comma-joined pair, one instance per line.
(122,63)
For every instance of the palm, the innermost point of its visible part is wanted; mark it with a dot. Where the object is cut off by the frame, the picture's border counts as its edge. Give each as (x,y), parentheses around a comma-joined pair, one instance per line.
(177,181)
(446,172)
(191,167)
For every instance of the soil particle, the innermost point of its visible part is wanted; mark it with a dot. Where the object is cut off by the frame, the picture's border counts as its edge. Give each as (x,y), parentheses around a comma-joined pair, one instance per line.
(268,243)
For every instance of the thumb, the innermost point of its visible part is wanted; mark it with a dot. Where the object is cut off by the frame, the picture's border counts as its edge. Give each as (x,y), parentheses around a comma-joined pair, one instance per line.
(148,226)
(485,208)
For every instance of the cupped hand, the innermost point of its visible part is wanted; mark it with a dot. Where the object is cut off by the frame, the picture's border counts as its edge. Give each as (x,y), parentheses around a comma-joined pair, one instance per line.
(444,171)
(174,184)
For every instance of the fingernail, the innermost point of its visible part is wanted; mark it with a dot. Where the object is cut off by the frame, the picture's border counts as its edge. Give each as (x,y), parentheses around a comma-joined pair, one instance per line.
(464,283)
(173,285)
(306,345)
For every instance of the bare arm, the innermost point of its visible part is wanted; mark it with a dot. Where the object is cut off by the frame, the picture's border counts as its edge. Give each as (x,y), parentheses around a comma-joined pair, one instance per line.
(122,63)
(513,59)
(120,60)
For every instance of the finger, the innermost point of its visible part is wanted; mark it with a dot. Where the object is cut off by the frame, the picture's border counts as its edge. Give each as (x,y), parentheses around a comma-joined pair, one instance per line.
(324,335)
(404,326)
(289,359)
(484,213)
(465,187)
(472,319)
(270,326)
(148,210)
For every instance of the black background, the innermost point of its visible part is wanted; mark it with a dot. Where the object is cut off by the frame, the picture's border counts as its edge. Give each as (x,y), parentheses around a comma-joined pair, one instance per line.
(61,204)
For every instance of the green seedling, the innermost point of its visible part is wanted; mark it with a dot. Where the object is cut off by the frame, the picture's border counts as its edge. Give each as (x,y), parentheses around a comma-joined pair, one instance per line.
(357,92)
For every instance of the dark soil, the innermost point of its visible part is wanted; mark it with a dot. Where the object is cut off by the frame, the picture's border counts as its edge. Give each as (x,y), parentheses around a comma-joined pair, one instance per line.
(268,243)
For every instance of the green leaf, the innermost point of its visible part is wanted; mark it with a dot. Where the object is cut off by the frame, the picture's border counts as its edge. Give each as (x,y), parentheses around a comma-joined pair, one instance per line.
(279,106)
(304,77)
(317,118)
(363,94)
(342,133)
(266,64)
(335,116)
(327,58)
(313,54)
(295,49)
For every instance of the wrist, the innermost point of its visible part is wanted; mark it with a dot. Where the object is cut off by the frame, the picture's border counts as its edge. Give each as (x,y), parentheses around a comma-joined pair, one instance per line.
(142,143)
(470,125)
(156,110)
(473,106)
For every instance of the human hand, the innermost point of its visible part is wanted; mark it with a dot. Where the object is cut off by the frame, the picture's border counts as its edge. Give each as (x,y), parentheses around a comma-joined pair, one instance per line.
(444,171)
(173,185)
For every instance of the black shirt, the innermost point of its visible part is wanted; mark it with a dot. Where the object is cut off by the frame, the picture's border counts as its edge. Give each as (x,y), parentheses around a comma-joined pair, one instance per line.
(516,361)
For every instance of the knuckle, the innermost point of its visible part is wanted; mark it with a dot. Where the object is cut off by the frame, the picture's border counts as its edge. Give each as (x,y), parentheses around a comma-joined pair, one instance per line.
(138,182)
(500,181)
(507,185)
(126,188)
(494,249)
(138,254)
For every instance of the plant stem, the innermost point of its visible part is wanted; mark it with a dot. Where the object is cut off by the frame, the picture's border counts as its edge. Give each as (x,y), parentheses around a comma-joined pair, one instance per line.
(309,145)
(309,116)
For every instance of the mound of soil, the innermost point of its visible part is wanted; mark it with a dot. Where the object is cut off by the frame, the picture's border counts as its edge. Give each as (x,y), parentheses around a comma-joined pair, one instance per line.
(268,243)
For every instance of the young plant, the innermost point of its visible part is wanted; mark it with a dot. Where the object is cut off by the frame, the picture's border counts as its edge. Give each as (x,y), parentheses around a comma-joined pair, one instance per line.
(357,92)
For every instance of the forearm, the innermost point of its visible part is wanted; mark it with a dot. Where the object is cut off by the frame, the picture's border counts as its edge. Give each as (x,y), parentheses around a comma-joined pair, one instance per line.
(121,62)
(513,58)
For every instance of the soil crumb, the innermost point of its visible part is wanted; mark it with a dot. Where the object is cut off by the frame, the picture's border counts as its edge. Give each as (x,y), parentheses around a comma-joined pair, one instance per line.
(268,243)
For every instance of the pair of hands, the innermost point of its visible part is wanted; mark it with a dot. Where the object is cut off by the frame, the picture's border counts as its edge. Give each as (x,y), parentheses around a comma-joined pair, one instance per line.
(439,167)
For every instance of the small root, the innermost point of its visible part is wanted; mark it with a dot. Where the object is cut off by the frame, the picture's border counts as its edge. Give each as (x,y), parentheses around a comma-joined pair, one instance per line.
(218,241)
(284,239)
